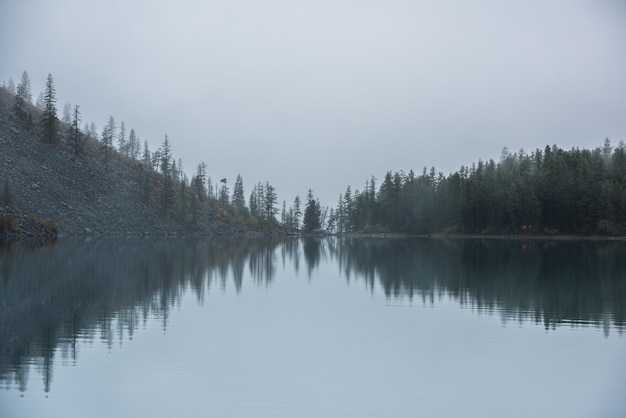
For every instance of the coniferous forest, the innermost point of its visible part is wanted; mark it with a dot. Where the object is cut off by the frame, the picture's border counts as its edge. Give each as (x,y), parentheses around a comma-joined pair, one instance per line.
(550,191)
(547,192)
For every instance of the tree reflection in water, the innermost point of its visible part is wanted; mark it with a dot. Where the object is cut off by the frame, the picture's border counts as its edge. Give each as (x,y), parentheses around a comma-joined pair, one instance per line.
(545,281)
(55,294)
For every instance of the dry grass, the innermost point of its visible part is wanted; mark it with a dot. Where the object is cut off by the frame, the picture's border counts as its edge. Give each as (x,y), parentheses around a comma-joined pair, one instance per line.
(50,226)
(9,224)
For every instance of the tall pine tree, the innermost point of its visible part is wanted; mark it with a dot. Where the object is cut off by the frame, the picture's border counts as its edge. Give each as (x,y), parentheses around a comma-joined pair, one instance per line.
(108,133)
(26,90)
(239,199)
(75,129)
(50,121)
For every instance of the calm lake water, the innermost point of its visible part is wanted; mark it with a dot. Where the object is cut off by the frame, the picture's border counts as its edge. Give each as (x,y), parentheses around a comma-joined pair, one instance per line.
(312,328)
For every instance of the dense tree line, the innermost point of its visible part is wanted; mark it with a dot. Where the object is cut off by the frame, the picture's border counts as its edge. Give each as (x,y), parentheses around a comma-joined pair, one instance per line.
(547,191)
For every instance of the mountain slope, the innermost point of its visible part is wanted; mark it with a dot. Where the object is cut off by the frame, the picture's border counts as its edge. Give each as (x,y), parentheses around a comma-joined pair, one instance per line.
(81,194)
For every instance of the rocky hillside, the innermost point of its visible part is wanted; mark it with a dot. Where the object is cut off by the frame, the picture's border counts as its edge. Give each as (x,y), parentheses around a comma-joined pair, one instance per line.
(82,196)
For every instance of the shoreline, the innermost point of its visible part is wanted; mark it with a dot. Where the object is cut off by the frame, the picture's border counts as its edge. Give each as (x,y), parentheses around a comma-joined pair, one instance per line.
(557,237)
(509,237)
(22,235)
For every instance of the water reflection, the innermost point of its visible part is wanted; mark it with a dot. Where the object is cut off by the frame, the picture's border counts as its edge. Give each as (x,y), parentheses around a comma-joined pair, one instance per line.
(54,294)
(549,282)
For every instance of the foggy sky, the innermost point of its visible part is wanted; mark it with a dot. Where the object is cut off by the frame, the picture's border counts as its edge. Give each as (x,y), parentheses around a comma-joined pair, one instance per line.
(321,94)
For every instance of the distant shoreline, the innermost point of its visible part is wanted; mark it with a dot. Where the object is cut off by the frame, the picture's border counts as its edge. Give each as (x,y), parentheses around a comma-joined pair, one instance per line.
(511,237)
(36,231)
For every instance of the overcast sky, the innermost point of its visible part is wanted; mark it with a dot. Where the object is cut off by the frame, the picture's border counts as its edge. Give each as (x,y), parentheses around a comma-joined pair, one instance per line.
(321,94)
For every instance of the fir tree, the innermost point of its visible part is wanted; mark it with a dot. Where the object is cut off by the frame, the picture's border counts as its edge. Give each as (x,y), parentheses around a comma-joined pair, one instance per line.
(239,200)
(19,106)
(133,145)
(145,157)
(75,129)
(122,144)
(108,133)
(27,94)
(199,181)
(297,212)
(165,156)
(66,127)
(11,86)
(50,121)
(23,96)
(283,214)
(270,201)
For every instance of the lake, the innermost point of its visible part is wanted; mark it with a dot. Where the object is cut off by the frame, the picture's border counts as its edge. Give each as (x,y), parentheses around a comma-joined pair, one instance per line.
(306,327)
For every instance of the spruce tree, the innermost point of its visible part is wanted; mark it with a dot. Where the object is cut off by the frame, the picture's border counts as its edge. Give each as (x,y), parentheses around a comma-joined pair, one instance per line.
(198,182)
(92,131)
(50,121)
(75,129)
(183,195)
(26,91)
(283,214)
(239,200)
(108,133)
(23,96)
(253,202)
(145,157)
(270,201)
(19,106)
(11,86)
(133,145)
(297,212)
(122,144)
(165,157)
(66,127)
